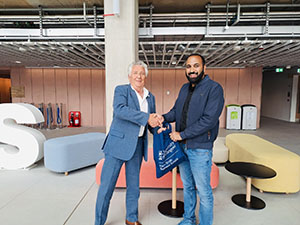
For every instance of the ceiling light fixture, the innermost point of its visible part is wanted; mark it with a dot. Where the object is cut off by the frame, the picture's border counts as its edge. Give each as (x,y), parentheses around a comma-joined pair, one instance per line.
(181,47)
(237,48)
(22,49)
(261,47)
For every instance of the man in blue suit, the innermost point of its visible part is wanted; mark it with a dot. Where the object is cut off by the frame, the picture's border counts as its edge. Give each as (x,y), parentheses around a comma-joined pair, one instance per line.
(127,142)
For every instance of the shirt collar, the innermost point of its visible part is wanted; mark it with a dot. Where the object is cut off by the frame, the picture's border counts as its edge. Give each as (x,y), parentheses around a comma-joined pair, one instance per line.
(146,93)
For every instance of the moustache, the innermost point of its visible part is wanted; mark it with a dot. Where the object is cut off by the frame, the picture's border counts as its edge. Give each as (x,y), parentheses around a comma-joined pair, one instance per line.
(190,73)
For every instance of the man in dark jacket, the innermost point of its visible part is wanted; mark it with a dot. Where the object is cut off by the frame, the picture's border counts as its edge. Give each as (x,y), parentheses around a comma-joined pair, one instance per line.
(196,113)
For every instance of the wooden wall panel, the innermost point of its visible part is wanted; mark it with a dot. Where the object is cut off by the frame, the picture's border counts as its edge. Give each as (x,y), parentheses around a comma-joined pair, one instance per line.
(84,89)
(85,96)
(220,77)
(62,92)
(98,92)
(2,88)
(103,97)
(210,73)
(232,86)
(157,83)
(37,86)
(7,91)
(244,96)
(5,84)
(148,83)
(180,80)
(169,95)
(256,89)
(49,86)
(15,80)
(26,81)
(73,90)
(49,92)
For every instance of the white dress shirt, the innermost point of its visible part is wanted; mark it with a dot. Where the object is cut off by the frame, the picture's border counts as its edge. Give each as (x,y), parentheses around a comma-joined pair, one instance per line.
(143,106)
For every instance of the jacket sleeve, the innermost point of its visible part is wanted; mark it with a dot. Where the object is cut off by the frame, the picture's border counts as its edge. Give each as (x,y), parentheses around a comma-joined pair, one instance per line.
(153,110)
(210,117)
(122,111)
(170,117)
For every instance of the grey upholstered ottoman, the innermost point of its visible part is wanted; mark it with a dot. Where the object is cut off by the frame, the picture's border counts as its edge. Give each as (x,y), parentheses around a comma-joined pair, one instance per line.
(65,154)
(220,151)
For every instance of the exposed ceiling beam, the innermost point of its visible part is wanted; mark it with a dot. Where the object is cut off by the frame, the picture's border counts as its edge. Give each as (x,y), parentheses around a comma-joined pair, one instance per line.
(156,54)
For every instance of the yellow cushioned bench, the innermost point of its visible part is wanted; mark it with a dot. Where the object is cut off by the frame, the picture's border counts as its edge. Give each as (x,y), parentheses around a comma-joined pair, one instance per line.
(251,148)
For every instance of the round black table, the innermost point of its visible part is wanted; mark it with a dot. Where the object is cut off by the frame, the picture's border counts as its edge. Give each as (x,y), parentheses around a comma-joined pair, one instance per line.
(172,208)
(249,170)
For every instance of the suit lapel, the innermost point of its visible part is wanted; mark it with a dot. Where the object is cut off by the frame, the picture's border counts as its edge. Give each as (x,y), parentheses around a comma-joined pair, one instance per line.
(134,97)
(149,100)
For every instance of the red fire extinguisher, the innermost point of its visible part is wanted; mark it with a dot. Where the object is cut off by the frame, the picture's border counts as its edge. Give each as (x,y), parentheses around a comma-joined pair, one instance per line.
(74,119)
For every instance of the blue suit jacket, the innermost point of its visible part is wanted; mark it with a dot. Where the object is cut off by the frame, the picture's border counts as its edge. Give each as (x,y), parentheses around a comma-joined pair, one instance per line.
(203,114)
(122,138)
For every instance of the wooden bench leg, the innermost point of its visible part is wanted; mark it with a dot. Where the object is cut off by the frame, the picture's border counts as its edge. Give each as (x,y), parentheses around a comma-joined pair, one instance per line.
(248,192)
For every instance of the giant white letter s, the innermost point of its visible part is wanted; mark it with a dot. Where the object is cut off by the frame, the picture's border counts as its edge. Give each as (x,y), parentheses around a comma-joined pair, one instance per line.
(23,146)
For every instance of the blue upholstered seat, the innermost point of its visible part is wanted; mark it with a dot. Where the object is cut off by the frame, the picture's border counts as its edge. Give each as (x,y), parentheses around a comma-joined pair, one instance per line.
(69,153)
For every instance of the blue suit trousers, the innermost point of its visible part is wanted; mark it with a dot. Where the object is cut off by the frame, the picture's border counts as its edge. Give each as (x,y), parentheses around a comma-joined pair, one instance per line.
(109,176)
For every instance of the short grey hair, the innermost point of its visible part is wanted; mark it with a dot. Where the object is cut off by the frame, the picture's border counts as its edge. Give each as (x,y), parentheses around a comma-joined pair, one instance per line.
(138,63)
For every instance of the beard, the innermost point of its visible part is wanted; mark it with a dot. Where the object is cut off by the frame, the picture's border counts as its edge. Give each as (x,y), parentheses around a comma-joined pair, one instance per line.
(194,80)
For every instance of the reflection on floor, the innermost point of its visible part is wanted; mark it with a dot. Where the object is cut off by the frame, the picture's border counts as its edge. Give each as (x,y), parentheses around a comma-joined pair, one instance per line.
(41,197)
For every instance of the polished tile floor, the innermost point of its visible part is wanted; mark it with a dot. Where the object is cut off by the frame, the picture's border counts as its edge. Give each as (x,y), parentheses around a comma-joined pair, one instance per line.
(40,197)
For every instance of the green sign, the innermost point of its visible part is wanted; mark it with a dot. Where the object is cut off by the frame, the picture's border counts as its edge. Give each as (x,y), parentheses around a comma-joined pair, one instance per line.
(279,70)
(298,70)
(234,115)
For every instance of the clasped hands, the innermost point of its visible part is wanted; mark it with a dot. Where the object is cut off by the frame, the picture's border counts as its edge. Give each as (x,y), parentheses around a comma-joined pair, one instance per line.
(157,120)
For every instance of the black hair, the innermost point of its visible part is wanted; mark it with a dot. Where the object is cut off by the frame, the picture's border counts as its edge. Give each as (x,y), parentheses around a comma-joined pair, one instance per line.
(196,54)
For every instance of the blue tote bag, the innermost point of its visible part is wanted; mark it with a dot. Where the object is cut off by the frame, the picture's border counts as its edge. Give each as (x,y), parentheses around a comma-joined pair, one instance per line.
(167,154)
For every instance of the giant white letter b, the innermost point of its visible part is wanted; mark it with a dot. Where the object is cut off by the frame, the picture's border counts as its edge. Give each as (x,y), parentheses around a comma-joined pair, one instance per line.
(23,146)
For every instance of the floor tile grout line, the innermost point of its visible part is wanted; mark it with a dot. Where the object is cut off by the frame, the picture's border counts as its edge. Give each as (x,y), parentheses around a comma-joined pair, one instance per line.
(22,192)
(77,205)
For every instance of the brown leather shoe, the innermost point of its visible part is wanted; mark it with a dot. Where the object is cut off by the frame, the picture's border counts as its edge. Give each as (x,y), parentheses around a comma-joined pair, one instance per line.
(132,223)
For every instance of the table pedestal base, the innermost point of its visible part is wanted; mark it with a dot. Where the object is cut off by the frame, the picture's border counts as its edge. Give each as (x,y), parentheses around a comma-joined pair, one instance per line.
(255,203)
(166,209)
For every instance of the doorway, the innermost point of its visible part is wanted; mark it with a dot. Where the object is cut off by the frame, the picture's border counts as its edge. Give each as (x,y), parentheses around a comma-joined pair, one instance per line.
(5,86)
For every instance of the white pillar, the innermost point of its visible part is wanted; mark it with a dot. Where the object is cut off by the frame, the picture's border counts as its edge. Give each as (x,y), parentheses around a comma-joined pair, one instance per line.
(121,47)
(294,99)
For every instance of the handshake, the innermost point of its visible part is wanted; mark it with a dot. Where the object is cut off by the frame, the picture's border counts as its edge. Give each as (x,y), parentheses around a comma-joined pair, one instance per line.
(155,120)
